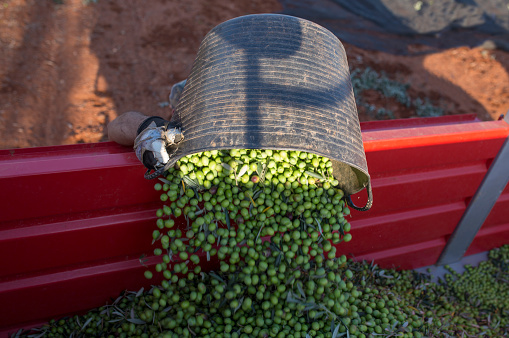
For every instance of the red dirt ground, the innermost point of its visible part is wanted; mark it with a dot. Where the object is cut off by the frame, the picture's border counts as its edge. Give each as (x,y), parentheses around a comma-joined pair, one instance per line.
(68,68)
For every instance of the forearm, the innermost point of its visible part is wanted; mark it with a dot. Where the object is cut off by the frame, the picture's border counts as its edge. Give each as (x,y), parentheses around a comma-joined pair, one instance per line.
(123,129)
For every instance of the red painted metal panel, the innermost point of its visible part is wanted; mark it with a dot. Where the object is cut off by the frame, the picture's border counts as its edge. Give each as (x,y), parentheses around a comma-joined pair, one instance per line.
(57,293)
(46,194)
(399,229)
(407,257)
(76,218)
(70,242)
(423,189)
(489,238)
(433,135)
(500,212)
(64,181)
(54,294)
(393,156)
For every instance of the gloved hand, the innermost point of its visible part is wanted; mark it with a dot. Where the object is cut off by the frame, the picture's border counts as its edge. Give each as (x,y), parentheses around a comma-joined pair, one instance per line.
(152,145)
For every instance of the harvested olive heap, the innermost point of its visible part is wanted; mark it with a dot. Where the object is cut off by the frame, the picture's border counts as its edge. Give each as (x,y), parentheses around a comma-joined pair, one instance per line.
(267,222)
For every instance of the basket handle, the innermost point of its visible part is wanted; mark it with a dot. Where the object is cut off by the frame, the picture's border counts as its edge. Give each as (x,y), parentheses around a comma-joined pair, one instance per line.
(369,203)
(157,172)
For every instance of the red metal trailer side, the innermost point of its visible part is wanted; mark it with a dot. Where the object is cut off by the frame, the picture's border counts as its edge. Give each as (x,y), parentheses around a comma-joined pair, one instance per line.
(75,219)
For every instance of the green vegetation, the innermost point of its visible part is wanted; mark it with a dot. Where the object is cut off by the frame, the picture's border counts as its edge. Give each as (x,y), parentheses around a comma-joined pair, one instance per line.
(368,78)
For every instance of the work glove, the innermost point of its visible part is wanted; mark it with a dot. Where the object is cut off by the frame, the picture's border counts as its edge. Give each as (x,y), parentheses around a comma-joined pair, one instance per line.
(156,142)
(158,139)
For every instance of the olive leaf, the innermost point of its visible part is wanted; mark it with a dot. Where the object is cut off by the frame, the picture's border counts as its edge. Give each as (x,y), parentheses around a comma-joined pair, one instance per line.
(257,194)
(115,320)
(243,170)
(381,273)
(340,334)
(264,172)
(119,314)
(164,180)
(310,306)
(196,194)
(136,321)
(259,231)
(278,259)
(319,226)
(290,280)
(274,247)
(238,306)
(119,298)
(346,327)
(191,182)
(158,238)
(301,291)
(213,274)
(226,166)
(315,175)
(289,298)
(227,215)
(319,314)
(259,168)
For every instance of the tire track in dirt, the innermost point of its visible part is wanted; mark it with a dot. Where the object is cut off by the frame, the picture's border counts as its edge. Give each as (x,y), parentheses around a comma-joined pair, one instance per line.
(20,88)
(43,73)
